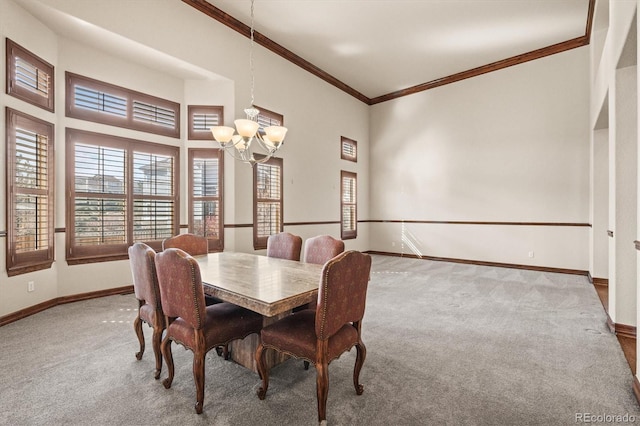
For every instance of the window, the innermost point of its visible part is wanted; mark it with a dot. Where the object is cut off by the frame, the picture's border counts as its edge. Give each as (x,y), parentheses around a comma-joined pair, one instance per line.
(30,184)
(205,195)
(267,201)
(93,100)
(348,149)
(201,117)
(29,78)
(268,118)
(120,191)
(348,202)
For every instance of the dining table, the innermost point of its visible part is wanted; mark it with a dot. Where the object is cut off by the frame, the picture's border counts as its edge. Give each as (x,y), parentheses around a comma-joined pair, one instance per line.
(269,286)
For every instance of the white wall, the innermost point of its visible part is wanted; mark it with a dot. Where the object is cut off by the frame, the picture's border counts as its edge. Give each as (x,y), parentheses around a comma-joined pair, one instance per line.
(615,86)
(508,146)
(23,29)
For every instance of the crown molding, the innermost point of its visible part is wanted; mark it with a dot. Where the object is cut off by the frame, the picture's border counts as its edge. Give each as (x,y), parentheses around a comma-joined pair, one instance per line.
(231,22)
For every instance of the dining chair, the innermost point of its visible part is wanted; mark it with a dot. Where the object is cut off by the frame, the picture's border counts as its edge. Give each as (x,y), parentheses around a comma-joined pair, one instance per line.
(147,291)
(322,335)
(195,245)
(321,248)
(284,246)
(190,322)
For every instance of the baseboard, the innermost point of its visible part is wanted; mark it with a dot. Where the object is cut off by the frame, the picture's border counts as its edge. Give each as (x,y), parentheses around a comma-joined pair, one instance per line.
(604,282)
(483,263)
(23,313)
(623,330)
(636,388)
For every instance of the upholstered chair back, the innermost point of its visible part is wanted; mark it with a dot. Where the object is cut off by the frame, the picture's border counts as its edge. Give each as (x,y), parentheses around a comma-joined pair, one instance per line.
(193,244)
(143,269)
(181,287)
(322,248)
(342,293)
(284,246)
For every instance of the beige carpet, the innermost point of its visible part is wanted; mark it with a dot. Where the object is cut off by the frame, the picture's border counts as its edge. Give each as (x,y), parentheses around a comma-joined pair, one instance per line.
(448,344)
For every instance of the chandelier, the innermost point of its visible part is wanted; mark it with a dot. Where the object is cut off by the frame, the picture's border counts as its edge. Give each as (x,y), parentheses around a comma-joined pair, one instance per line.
(251,144)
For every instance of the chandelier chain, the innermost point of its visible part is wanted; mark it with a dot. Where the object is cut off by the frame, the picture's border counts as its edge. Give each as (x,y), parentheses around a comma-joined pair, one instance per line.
(251,57)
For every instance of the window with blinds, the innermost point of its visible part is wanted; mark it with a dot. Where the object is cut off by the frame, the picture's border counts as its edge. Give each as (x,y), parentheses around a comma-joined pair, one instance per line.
(206,195)
(96,100)
(144,112)
(267,196)
(30,183)
(348,205)
(100,102)
(29,77)
(154,201)
(348,149)
(120,191)
(268,118)
(201,117)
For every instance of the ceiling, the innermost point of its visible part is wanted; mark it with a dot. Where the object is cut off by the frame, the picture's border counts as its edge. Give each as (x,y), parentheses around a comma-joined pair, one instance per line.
(375,50)
(382,47)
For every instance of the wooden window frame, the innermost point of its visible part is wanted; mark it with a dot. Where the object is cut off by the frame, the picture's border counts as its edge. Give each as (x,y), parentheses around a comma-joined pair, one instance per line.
(349,233)
(78,254)
(215,244)
(131,96)
(260,242)
(13,50)
(274,118)
(38,259)
(345,155)
(192,110)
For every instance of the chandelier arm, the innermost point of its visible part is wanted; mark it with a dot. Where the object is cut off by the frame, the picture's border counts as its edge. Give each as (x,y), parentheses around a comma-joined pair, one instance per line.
(237,155)
(270,149)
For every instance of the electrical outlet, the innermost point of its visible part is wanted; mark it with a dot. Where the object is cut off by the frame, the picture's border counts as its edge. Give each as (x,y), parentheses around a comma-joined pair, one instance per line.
(531,254)
(31,286)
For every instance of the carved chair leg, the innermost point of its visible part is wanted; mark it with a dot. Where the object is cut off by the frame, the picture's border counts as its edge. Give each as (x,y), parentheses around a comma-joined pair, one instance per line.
(322,388)
(360,357)
(223,351)
(168,357)
(137,327)
(198,378)
(226,353)
(155,340)
(263,372)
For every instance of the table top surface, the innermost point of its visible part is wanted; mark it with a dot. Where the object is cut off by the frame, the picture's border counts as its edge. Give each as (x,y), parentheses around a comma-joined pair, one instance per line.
(267,285)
